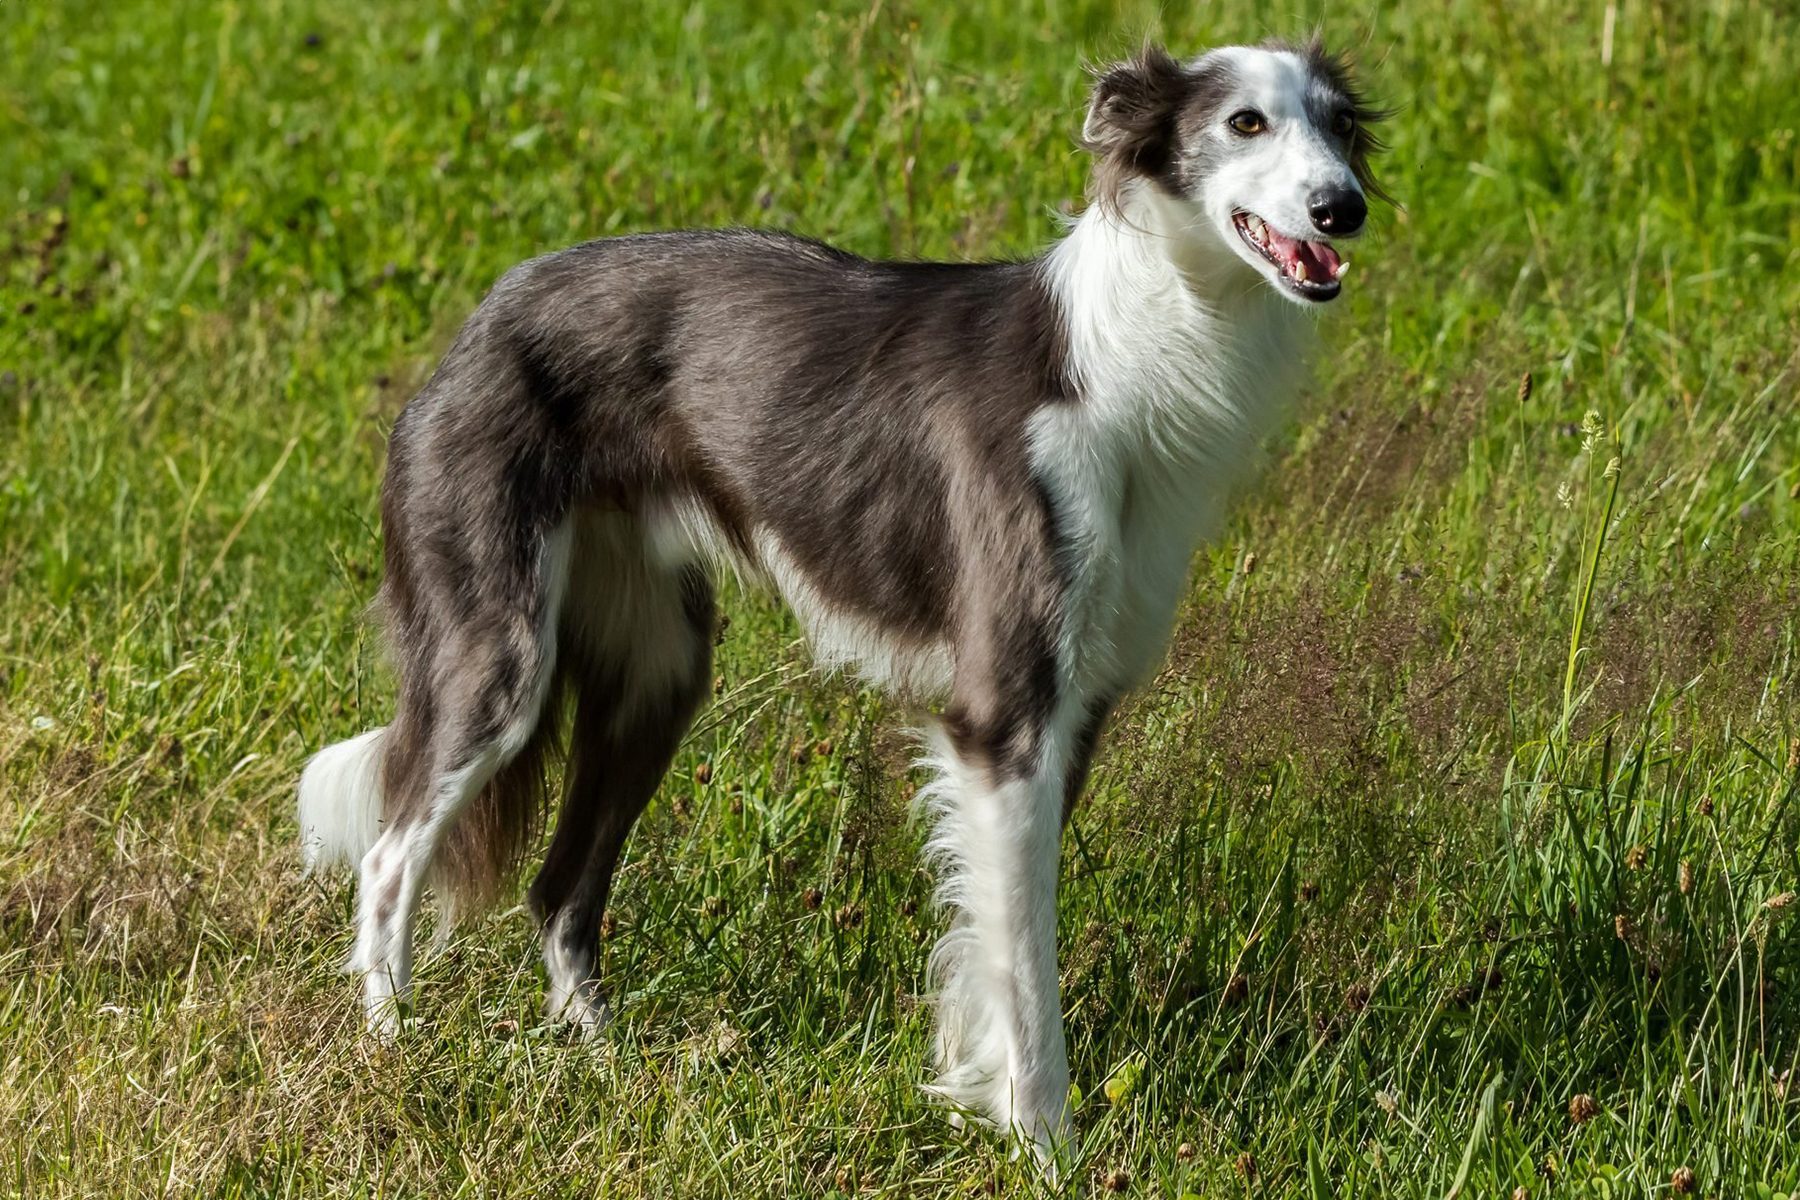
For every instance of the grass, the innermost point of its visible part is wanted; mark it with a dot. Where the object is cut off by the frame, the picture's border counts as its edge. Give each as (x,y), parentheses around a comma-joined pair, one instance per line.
(1469,788)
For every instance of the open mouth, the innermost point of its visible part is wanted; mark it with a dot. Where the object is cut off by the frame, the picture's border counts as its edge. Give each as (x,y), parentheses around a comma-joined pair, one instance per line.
(1309,269)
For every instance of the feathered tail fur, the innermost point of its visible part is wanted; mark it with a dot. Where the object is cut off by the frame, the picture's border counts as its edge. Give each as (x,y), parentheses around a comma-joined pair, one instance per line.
(340,806)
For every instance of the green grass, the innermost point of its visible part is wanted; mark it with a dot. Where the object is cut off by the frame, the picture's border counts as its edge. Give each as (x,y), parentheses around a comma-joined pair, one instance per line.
(1477,793)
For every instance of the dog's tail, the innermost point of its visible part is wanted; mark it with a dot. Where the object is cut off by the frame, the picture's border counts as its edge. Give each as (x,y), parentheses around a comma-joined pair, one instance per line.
(340,804)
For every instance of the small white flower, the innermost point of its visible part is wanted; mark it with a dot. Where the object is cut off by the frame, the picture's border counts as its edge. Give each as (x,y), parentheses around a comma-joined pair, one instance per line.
(42,723)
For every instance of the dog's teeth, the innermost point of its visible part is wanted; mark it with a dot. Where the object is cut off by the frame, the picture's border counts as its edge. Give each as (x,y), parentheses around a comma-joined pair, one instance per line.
(1341,268)
(1300,272)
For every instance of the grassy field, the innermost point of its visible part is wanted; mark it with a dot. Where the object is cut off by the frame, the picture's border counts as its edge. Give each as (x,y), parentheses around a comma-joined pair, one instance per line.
(1469,790)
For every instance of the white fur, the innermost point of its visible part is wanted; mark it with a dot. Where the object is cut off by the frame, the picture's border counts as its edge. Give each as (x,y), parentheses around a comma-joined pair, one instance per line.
(680,530)
(339,806)
(573,996)
(995,849)
(841,640)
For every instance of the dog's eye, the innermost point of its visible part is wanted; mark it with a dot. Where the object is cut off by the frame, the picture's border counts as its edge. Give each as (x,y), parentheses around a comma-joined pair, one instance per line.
(1344,124)
(1249,122)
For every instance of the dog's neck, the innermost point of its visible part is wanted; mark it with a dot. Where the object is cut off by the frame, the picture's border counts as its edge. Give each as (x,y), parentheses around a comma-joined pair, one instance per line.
(1172,338)
(1175,239)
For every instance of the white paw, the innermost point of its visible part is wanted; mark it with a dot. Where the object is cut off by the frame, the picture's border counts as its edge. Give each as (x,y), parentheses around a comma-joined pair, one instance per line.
(384,1008)
(383,1021)
(582,1008)
(1051,1144)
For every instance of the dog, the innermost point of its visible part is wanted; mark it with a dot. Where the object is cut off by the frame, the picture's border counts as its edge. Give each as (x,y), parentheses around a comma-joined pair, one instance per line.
(978,485)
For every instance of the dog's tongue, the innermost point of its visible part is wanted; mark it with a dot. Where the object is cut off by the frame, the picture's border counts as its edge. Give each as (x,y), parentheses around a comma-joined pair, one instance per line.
(1319,259)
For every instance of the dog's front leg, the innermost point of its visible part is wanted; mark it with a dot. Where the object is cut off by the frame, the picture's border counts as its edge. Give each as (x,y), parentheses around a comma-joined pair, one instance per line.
(1002,767)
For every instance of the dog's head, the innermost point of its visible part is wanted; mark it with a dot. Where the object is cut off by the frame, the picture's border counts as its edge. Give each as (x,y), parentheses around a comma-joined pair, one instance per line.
(1264,148)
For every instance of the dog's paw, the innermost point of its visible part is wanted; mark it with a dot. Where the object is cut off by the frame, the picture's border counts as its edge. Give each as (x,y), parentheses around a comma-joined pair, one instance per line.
(581,1009)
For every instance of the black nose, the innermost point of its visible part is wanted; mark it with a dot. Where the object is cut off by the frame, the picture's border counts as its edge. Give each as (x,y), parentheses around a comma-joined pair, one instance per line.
(1337,210)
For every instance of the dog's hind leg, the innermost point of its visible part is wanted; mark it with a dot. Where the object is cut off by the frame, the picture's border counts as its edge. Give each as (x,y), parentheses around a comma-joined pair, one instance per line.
(472,700)
(638,640)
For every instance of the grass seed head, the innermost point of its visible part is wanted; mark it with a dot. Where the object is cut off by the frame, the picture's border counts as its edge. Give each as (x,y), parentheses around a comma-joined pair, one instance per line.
(1583,1108)
(1593,432)
(1185,1152)
(1245,1165)
(1684,877)
(1682,1181)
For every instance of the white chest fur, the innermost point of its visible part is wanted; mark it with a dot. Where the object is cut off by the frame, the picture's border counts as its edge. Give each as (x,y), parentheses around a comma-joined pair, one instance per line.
(1182,377)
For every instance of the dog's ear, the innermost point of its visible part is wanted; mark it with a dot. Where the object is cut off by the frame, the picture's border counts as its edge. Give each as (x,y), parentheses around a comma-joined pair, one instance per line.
(1131,118)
